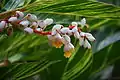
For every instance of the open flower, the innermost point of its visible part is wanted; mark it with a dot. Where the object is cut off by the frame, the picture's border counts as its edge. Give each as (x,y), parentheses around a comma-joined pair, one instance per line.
(83,39)
(2,24)
(68,49)
(55,40)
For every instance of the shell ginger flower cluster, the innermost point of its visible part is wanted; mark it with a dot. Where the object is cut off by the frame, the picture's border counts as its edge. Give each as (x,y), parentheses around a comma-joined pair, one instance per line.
(58,36)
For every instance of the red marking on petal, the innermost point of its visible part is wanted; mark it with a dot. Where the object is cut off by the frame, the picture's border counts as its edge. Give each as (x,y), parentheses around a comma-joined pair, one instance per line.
(71,27)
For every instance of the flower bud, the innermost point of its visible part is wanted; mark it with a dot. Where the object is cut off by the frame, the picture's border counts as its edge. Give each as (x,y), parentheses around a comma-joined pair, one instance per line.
(2,24)
(19,14)
(24,23)
(28,30)
(12,19)
(48,21)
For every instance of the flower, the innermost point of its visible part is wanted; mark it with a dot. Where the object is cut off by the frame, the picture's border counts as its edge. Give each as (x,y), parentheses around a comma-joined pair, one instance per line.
(28,30)
(25,23)
(68,49)
(55,40)
(83,39)
(34,25)
(66,30)
(82,22)
(56,29)
(2,24)
(48,21)
(41,24)
(44,23)
(31,17)
(74,24)
(12,19)
(19,14)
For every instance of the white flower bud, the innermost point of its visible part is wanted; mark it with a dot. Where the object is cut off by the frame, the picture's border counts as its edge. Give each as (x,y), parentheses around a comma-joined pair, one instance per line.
(81,41)
(83,22)
(66,39)
(2,24)
(56,28)
(20,14)
(41,24)
(82,34)
(28,30)
(89,37)
(48,21)
(75,29)
(35,24)
(74,24)
(87,44)
(25,23)
(65,30)
(31,17)
(12,19)
(76,35)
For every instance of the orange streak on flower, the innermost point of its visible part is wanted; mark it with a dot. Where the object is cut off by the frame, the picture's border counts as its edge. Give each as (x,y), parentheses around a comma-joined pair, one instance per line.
(57,43)
(67,54)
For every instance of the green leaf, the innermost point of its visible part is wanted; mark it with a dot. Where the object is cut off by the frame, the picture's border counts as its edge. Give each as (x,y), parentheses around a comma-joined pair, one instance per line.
(76,8)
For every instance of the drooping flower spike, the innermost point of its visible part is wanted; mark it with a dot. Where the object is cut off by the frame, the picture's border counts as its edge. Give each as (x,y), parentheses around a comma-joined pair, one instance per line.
(58,36)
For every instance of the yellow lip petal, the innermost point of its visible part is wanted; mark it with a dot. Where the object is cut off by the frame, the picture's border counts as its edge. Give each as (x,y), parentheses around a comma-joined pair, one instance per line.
(67,54)
(57,44)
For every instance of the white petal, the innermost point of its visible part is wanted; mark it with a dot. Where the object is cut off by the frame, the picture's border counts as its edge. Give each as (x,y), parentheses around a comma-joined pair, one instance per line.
(64,30)
(41,24)
(12,19)
(50,37)
(70,32)
(35,24)
(58,36)
(20,14)
(82,34)
(87,44)
(74,29)
(2,24)
(25,23)
(76,35)
(48,21)
(57,27)
(74,24)
(81,41)
(89,37)
(66,39)
(29,30)
(68,47)
(31,17)
(54,32)
(83,22)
